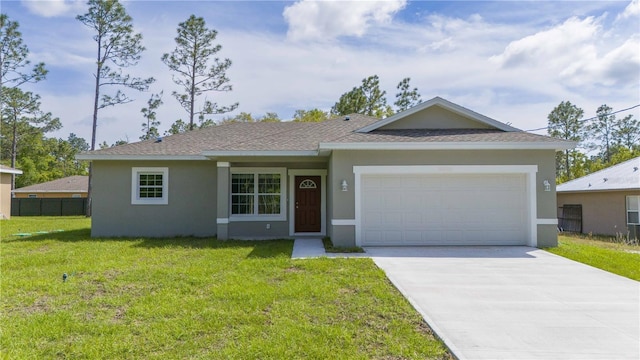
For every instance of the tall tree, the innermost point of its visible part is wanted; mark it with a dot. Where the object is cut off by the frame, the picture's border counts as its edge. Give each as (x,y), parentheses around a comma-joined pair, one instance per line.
(178,127)
(270,117)
(601,129)
(197,70)
(406,97)
(248,118)
(14,71)
(21,116)
(118,45)
(626,132)
(564,123)
(14,57)
(64,152)
(367,99)
(77,143)
(150,127)
(313,115)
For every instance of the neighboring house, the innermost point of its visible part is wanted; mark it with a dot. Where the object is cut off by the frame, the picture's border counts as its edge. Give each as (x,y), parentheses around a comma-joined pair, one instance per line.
(435,174)
(606,201)
(6,173)
(69,187)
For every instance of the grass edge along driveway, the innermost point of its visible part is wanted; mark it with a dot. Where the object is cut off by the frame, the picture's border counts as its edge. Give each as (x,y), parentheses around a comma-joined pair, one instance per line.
(194,298)
(614,257)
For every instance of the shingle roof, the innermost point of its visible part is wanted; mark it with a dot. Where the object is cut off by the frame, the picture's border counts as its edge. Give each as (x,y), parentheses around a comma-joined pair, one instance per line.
(245,136)
(445,135)
(306,137)
(76,183)
(623,176)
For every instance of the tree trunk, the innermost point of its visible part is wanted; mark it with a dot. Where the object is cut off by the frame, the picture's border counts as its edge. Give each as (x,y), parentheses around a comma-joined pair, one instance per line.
(192,91)
(95,122)
(14,150)
(566,162)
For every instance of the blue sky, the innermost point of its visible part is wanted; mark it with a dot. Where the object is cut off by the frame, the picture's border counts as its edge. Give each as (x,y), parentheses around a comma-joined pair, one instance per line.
(513,61)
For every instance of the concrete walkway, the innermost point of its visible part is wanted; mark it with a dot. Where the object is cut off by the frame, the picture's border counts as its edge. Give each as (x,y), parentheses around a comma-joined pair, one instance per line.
(313,248)
(307,248)
(517,302)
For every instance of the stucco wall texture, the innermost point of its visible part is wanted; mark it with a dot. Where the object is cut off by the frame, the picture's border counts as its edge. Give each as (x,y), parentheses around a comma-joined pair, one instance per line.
(603,213)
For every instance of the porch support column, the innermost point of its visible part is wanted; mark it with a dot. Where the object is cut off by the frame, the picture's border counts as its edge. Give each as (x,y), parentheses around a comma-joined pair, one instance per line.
(223,200)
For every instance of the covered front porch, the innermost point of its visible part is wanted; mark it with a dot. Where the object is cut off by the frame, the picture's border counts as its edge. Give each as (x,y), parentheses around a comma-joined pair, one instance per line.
(267,198)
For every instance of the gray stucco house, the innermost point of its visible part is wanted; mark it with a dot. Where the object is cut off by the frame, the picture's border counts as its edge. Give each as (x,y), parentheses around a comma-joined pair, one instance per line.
(436,174)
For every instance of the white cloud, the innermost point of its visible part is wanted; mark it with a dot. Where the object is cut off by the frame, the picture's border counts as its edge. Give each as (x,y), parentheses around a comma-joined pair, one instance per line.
(52,8)
(325,20)
(553,47)
(444,55)
(577,53)
(632,10)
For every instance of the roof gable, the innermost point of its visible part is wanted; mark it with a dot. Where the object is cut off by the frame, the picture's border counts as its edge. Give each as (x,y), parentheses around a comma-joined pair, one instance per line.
(437,113)
(623,176)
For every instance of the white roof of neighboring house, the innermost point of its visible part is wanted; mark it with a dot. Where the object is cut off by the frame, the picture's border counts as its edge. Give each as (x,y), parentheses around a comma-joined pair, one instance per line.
(9,170)
(623,176)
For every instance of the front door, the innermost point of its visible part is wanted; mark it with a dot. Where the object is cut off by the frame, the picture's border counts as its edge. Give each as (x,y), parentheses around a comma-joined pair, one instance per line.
(308,200)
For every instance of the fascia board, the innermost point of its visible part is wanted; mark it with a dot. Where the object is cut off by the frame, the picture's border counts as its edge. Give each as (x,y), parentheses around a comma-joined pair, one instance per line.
(11,171)
(47,191)
(138,157)
(448,146)
(260,153)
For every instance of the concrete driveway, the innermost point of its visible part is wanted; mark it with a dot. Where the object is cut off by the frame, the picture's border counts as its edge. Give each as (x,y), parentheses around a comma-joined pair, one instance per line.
(517,302)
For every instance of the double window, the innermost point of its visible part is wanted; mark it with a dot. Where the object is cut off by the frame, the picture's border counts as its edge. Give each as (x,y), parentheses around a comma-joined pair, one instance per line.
(149,186)
(257,193)
(633,210)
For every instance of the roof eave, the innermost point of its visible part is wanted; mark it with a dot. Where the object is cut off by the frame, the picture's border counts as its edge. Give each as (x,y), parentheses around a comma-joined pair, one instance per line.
(138,157)
(258,153)
(573,191)
(47,191)
(447,146)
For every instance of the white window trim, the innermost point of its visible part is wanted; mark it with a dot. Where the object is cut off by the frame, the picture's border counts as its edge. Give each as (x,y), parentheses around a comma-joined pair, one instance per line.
(283,194)
(323,202)
(135,199)
(628,211)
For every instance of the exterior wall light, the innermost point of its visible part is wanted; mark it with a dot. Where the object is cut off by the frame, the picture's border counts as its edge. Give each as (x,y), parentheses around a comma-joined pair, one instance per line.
(344,185)
(547,185)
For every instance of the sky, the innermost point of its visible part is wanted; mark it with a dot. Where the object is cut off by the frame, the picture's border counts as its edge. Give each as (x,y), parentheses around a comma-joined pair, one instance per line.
(513,61)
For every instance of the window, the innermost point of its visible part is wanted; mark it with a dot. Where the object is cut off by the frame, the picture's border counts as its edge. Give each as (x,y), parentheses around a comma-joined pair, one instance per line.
(32,196)
(149,186)
(257,193)
(633,210)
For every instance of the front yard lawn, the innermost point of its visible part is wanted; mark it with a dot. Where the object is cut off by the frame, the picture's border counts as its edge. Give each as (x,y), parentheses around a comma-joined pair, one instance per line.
(194,298)
(614,257)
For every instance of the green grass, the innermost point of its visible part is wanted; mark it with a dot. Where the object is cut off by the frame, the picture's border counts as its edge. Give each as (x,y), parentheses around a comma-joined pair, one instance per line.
(614,257)
(194,298)
(328,247)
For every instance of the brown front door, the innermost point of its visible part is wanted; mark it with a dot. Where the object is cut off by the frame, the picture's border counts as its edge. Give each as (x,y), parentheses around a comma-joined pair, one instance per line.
(308,199)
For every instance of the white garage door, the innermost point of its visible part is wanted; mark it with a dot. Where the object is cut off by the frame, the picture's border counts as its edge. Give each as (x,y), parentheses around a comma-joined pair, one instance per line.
(428,209)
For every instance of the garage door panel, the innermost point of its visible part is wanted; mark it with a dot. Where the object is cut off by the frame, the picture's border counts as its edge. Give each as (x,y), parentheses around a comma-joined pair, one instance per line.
(456,209)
